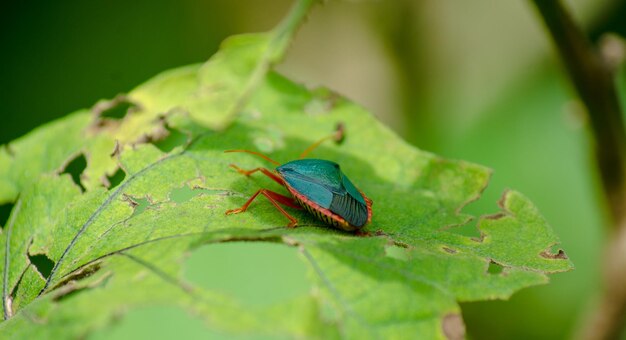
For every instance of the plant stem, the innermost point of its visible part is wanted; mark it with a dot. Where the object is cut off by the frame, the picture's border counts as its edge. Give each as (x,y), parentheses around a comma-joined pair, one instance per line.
(594,82)
(282,35)
(287,28)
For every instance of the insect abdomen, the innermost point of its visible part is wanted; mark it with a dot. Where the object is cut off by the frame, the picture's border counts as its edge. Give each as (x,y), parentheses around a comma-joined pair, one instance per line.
(322,214)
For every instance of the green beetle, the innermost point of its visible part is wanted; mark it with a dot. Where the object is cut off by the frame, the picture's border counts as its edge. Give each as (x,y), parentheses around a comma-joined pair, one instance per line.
(317,185)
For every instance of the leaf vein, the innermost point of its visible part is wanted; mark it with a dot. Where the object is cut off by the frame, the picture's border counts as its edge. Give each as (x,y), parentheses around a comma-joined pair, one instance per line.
(333,290)
(96,213)
(5,287)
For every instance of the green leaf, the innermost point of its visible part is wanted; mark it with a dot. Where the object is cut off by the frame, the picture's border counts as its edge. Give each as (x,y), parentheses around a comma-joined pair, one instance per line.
(120,246)
(214,95)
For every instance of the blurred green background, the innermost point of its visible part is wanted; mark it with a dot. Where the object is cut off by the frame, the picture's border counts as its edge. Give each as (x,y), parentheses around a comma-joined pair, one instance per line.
(475,80)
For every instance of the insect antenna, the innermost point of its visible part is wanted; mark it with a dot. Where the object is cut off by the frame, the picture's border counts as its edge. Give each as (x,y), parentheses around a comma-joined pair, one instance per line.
(255,153)
(338,136)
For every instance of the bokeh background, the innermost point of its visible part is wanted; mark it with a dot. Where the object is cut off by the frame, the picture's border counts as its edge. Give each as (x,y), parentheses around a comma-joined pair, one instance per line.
(475,80)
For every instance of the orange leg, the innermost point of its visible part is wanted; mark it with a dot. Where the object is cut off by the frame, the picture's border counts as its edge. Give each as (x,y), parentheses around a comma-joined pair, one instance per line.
(282,199)
(275,199)
(265,171)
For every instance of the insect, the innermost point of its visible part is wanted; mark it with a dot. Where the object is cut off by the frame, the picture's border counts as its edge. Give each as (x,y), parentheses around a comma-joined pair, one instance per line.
(317,185)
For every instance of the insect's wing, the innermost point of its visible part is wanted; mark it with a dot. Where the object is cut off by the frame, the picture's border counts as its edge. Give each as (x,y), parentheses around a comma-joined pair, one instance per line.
(338,195)
(316,192)
(350,208)
(351,189)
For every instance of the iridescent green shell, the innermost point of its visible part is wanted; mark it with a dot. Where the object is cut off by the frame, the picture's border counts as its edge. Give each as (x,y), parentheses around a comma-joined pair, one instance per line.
(322,182)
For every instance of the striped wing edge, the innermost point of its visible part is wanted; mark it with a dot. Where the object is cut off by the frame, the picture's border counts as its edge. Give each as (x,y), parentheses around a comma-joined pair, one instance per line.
(327,216)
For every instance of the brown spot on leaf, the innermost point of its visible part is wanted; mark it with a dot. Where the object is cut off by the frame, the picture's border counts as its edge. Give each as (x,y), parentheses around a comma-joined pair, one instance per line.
(133,204)
(453,327)
(159,132)
(502,200)
(494,216)
(449,250)
(105,181)
(72,287)
(479,239)
(559,255)
(107,114)
(117,149)
(400,244)
(79,274)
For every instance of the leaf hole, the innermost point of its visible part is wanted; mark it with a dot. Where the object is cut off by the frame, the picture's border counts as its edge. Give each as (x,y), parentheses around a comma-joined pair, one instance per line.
(494,268)
(118,111)
(42,264)
(143,204)
(183,194)
(173,139)
(115,179)
(75,169)
(5,212)
(397,252)
(114,109)
(138,204)
(554,253)
(262,274)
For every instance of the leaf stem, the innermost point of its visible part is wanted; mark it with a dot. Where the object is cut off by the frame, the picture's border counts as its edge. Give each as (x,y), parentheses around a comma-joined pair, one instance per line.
(282,35)
(594,81)
(288,26)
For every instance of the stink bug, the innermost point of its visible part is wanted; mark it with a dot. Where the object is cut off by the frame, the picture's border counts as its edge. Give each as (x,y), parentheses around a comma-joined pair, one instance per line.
(316,185)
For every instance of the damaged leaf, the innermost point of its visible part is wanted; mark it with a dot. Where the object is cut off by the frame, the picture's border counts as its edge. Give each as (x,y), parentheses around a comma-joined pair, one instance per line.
(73,260)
